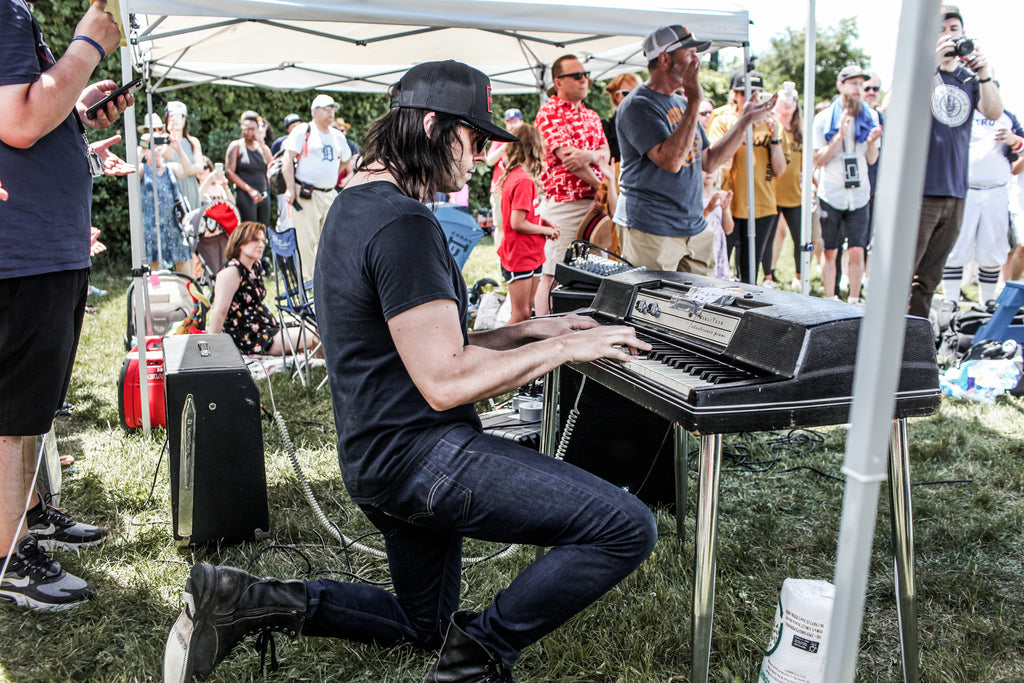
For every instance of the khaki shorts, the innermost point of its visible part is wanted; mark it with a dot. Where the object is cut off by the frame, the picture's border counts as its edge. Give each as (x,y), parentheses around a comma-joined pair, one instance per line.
(567,216)
(694,254)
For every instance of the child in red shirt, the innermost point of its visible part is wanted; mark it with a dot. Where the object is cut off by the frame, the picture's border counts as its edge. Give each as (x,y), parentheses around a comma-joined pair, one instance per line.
(522,246)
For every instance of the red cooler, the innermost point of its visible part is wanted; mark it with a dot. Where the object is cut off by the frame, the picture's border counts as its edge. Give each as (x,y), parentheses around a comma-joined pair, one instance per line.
(129,402)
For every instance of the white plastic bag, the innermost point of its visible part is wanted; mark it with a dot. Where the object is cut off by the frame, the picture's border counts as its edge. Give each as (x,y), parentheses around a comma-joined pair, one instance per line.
(799,643)
(487,313)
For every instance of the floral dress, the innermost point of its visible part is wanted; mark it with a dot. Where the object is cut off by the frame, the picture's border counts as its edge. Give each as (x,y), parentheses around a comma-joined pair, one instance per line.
(173,247)
(249,321)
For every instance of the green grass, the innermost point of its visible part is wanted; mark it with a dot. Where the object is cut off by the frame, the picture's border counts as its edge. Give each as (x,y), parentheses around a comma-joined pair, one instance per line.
(773,525)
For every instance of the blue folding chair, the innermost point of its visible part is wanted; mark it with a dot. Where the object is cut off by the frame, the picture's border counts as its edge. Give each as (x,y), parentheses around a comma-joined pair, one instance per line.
(294,299)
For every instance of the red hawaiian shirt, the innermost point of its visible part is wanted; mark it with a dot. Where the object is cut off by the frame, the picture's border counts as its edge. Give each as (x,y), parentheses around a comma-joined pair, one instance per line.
(564,125)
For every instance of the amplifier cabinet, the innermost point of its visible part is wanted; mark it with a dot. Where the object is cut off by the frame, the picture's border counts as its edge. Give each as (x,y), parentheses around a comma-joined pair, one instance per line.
(215,442)
(618,440)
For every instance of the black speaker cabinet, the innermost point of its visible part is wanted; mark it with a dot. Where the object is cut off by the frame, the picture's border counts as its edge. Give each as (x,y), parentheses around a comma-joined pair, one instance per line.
(215,442)
(618,440)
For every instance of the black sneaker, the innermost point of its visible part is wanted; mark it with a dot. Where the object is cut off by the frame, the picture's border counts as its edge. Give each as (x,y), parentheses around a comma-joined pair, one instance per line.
(34,580)
(56,531)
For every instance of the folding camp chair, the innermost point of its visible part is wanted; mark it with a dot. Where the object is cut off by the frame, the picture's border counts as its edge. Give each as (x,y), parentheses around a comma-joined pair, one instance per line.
(294,299)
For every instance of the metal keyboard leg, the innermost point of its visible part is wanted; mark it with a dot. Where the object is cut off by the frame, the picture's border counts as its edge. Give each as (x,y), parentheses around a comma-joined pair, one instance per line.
(705,552)
(901,516)
(549,421)
(682,470)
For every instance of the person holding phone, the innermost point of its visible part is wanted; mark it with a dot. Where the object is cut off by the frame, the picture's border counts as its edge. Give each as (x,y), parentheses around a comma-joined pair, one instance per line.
(47,167)
(184,149)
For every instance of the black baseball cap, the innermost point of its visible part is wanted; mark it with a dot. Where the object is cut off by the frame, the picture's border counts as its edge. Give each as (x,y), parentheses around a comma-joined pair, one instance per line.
(290,119)
(737,81)
(950,12)
(451,87)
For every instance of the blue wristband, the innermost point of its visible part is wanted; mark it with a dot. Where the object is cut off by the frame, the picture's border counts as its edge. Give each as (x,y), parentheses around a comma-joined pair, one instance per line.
(92,42)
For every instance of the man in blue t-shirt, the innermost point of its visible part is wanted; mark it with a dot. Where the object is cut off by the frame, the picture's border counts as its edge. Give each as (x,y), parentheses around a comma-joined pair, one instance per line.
(392,311)
(960,84)
(46,166)
(663,151)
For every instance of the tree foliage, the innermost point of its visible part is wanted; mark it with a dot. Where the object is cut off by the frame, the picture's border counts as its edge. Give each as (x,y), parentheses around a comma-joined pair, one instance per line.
(834,49)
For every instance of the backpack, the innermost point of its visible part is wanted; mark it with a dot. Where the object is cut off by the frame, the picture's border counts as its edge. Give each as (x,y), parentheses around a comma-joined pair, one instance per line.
(275,172)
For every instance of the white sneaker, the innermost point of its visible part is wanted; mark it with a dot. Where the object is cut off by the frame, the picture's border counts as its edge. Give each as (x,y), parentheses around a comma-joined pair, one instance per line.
(768,284)
(796,284)
(856,300)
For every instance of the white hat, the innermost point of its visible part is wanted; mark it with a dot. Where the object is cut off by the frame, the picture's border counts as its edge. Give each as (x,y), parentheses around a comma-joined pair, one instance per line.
(155,122)
(323,101)
(176,108)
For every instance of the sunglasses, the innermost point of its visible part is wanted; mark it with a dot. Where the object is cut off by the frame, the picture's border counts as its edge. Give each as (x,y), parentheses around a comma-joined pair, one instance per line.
(576,75)
(623,92)
(871,88)
(480,138)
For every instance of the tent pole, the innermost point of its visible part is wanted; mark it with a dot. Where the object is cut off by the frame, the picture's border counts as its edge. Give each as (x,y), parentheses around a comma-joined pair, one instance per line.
(901,180)
(749,133)
(807,165)
(131,142)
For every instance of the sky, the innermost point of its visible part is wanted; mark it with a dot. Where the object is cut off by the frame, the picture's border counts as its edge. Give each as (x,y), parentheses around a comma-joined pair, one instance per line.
(878,23)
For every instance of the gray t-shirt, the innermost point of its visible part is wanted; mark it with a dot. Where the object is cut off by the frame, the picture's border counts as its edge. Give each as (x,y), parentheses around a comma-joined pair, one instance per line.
(651,199)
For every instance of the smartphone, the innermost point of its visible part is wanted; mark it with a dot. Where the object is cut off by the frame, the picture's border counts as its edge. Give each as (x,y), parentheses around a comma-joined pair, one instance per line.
(127,89)
(218,167)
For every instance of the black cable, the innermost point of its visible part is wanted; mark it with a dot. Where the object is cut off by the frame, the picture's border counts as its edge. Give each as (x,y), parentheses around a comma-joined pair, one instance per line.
(815,470)
(654,460)
(289,548)
(942,481)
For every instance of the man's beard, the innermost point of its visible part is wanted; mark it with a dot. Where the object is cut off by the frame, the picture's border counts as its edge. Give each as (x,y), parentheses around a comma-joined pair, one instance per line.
(851,104)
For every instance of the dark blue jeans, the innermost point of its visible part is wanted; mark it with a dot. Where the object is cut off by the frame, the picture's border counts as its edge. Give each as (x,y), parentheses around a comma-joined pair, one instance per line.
(479,486)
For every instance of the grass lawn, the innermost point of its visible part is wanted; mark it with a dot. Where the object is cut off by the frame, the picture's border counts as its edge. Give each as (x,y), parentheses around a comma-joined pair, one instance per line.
(775,522)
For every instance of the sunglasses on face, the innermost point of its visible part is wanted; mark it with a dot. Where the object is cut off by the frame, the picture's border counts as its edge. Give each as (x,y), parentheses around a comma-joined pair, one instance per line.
(870,88)
(576,75)
(623,93)
(478,137)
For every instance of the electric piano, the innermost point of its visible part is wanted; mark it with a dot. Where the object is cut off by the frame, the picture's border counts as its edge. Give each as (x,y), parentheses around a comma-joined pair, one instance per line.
(730,357)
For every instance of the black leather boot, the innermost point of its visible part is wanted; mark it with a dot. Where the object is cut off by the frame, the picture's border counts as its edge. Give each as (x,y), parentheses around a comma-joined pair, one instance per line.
(222,606)
(463,660)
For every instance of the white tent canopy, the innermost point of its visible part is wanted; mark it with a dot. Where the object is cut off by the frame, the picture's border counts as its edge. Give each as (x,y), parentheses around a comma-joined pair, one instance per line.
(365,46)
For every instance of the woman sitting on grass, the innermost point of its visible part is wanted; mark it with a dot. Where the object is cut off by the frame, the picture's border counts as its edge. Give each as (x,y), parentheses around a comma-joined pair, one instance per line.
(524,231)
(238,307)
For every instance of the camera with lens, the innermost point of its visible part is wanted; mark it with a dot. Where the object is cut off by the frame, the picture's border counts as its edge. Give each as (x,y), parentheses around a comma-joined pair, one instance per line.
(159,139)
(962,47)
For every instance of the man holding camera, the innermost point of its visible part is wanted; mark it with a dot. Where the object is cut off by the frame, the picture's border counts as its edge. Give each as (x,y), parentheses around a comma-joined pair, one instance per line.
(846,137)
(314,156)
(962,83)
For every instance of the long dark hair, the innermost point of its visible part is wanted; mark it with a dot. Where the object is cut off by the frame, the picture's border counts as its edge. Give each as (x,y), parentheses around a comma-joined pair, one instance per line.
(421,165)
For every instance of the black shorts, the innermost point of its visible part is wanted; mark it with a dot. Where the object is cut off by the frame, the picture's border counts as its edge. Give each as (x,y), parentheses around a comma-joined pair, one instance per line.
(40,322)
(521,275)
(833,220)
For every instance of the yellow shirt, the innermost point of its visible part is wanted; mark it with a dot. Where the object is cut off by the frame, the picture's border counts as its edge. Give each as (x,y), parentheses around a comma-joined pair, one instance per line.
(764,178)
(787,186)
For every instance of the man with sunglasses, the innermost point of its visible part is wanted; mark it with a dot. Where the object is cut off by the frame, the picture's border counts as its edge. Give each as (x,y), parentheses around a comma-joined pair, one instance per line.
(664,149)
(392,309)
(575,151)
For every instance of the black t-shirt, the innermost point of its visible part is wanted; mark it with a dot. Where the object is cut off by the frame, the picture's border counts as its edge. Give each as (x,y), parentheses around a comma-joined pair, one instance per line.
(381,254)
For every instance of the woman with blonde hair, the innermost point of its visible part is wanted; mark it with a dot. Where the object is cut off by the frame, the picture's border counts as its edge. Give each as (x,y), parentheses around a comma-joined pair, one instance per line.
(522,248)
(618,88)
